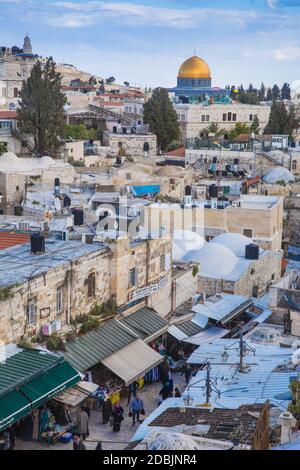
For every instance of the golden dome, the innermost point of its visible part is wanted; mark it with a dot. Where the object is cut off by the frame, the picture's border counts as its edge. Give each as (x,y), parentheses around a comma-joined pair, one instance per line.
(194,67)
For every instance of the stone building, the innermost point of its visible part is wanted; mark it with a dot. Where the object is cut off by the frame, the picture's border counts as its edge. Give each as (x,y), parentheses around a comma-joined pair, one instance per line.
(194,119)
(132,144)
(224,265)
(292,210)
(285,302)
(18,173)
(257,217)
(58,285)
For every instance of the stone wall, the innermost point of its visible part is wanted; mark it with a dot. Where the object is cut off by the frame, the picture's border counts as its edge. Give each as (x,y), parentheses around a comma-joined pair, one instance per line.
(133,144)
(71,277)
(292,206)
(259,275)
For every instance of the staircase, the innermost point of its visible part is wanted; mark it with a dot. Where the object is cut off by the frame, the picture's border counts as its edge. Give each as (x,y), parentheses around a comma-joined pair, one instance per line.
(24,140)
(271,159)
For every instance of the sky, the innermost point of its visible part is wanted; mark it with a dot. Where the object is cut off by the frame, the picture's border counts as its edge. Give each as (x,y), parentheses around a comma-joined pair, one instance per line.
(145,41)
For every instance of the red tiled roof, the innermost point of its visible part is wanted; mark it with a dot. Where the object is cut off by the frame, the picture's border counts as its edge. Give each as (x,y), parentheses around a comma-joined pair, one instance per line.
(9,239)
(8,114)
(177,153)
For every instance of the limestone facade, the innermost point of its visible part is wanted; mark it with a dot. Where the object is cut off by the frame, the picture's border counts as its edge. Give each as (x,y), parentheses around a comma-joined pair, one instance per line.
(133,144)
(194,118)
(68,278)
(253,282)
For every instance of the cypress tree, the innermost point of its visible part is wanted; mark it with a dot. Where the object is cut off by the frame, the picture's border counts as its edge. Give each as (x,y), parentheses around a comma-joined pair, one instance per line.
(162,118)
(41,112)
(286,92)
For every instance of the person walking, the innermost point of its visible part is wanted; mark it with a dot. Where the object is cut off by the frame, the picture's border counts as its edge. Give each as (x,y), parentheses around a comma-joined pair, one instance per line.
(117,417)
(136,408)
(77,443)
(187,372)
(133,388)
(83,424)
(106,410)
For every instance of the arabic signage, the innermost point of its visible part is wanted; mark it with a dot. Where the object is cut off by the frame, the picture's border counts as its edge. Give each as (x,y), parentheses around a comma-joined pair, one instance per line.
(148,290)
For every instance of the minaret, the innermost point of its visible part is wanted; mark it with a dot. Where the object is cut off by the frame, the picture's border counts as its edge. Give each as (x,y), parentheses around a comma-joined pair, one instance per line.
(27,48)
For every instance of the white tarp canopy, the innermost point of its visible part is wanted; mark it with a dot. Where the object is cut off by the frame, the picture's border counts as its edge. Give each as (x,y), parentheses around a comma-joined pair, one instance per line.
(133,361)
(207,336)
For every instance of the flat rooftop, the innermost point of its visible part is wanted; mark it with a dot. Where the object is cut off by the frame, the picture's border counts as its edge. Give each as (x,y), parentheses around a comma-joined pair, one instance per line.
(18,264)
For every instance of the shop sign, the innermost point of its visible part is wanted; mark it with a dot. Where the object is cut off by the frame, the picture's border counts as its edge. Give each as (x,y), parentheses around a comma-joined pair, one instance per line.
(148,290)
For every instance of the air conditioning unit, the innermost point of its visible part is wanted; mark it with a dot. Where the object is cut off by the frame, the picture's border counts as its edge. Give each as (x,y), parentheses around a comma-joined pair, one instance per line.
(50,328)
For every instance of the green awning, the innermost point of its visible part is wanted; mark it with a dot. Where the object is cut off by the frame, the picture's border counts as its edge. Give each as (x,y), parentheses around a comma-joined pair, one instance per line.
(13,406)
(20,402)
(50,383)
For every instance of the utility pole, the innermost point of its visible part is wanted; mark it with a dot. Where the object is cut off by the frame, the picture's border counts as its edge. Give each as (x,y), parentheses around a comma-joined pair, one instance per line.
(208,386)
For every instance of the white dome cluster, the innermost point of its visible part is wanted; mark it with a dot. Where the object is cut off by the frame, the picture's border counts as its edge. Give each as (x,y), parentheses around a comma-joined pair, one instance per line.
(278,174)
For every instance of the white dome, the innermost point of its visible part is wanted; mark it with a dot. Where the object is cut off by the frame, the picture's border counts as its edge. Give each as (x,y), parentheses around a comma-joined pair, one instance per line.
(235,242)
(46,161)
(171,441)
(265,335)
(8,157)
(185,241)
(215,260)
(279,174)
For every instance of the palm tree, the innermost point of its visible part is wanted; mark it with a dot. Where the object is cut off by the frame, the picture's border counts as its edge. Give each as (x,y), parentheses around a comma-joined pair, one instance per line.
(214,130)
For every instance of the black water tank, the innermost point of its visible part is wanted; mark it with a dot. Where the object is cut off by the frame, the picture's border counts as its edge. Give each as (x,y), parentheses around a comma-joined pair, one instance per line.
(37,242)
(188,190)
(236,161)
(252,251)
(78,216)
(66,200)
(213,191)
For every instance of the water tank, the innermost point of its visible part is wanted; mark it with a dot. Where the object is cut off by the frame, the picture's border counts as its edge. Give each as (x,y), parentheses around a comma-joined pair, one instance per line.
(188,190)
(37,242)
(252,251)
(213,191)
(78,216)
(236,161)
(66,200)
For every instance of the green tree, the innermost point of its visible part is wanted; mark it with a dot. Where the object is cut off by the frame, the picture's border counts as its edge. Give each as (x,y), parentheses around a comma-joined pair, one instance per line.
(3,147)
(269,96)
(275,92)
(262,93)
(214,128)
(174,145)
(110,80)
(281,120)
(41,111)
(240,128)
(286,92)
(255,124)
(162,118)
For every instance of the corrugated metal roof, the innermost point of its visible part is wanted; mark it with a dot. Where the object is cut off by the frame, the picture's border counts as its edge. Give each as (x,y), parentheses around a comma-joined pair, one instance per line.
(93,347)
(145,322)
(183,330)
(23,366)
(9,239)
(222,307)
(207,336)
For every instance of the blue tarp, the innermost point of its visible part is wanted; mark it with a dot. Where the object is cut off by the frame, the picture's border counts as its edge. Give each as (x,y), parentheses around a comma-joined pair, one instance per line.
(145,190)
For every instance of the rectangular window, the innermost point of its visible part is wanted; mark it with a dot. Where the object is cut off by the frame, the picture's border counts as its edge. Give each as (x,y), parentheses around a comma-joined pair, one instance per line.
(207,118)
(229,117)
(248,232)
(251,117)
(31,312)
(203,118)
(59,301)
(224,117)
(234,117)
(162,263)
(183,117)
(91,285)
(132,277)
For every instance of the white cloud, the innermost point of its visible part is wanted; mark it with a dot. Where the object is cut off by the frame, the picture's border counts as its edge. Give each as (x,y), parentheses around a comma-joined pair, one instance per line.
(288,53)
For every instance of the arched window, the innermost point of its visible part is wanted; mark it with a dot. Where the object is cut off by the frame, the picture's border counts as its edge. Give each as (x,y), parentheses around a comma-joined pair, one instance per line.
(146,147)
